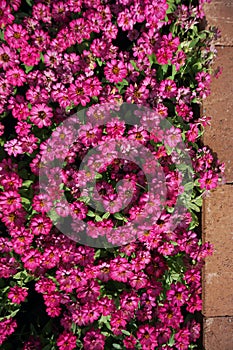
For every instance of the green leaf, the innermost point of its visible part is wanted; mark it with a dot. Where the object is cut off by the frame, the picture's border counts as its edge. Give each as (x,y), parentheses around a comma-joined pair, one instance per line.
(117,346)
(119,216)
(188,186)
(1,35)
(28,68)
(13,313)
(165,68)
(105,320)
(97,253)
(152,58)
(91,213)
(174,71)
(134,65)
(106,215)
(23,276)
(25,201)
(171,341)
(195,221)
(99,61)
(193,43)
(198,201)
(27,184)
(98,218)
(84,199)
(125,332)
(193,207)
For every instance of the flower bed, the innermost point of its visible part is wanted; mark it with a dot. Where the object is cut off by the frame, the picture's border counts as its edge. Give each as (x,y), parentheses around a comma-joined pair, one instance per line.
(102,173)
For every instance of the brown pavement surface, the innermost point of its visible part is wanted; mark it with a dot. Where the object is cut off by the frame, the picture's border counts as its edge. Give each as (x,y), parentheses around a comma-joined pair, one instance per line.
(218,271)
(219,106)
(218,333)
(218,208)
(219,13)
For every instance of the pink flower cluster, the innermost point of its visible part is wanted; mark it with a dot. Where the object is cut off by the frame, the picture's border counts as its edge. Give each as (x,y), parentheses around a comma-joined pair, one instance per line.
(57,57)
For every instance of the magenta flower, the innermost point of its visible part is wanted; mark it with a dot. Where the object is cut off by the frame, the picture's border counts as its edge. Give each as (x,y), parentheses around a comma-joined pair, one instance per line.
(41,115)
(94,340)
(17,294)
(29,55)
(16,76)
(209,180)
(66,341)
(16,36)
(78,93)
(125,20)
(8,57)
(167,88)
(10,201)
(147,336)
(115,71)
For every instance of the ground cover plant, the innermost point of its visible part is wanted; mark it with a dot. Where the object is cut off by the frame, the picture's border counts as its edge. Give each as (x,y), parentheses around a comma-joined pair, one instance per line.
(140,288)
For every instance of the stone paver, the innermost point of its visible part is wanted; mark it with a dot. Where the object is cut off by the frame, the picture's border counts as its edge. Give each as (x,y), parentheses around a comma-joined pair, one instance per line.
(219,13)
(218,270)
(217,209)
(218,333)
(219,105)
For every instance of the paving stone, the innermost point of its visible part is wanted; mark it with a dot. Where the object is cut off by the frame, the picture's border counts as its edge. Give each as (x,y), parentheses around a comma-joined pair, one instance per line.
(219,13)
(219,105)
(218,270)
(218,333)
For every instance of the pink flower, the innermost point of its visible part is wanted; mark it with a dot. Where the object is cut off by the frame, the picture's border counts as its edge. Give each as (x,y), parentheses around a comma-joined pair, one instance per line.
(45,285)
(31,259)
(182,339)
(130,342)
(7,327)
(129,302)
(179,60)
(13,147)
(6,16)
(208,180)
(8,57)
(125,20)
(115,71)
(78,93)
(22,128)
(139,280)
(29,143)
(120,270)
(169,41)
(167,88)
(16,36)
(42,203)
(164,55)
(29,55)
(1,129)
(10,201)
(41,12)
(147,337)
(66,341)
(41,115)
(20,111)
(192,134)
(170,315)
(40,224)
(94,340)
(178,294)
(118,321)
(172,137)
(17,294)
(16,76)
